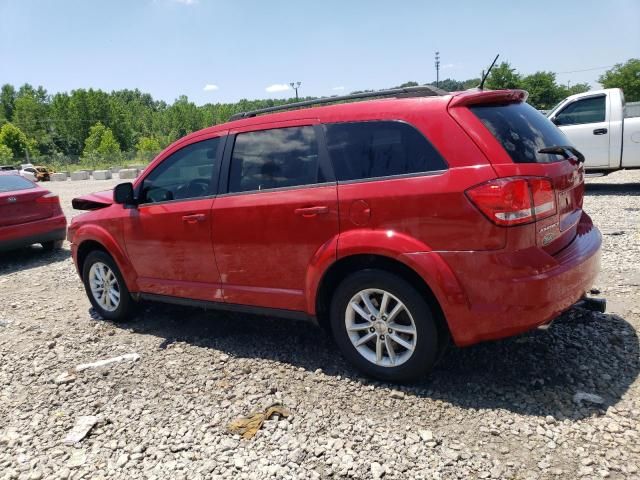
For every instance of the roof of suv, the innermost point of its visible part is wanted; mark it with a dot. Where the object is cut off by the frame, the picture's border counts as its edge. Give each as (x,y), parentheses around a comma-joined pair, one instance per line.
(381,108)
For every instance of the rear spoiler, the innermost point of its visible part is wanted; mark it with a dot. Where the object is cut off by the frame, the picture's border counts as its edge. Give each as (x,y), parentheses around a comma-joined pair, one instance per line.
(478,97)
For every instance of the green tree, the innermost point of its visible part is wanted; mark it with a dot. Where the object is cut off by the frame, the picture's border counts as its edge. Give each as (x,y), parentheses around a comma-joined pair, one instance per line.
(147,148)
(544,93)
(6,155)
(7,101)
(31,115)
(573,89)
(101,144)
(503,76)
(109,146)
(625,76)
(14,138)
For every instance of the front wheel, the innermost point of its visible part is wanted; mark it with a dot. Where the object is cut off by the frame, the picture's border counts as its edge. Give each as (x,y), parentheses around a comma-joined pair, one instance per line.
(105,287)
(384,326)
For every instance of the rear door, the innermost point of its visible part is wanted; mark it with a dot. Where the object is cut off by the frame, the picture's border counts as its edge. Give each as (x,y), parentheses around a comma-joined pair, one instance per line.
(278,213)
(585,122)
(513,135)
(19,201)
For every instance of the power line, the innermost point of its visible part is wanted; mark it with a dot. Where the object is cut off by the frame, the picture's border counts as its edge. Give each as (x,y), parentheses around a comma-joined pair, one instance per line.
(587,69)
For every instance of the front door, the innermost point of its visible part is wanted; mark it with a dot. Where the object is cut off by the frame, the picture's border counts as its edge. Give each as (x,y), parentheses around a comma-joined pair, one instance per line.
(585,123)
(168,237)
(279,213)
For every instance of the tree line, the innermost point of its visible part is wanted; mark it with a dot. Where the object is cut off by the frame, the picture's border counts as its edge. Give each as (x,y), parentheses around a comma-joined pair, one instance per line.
(90,127)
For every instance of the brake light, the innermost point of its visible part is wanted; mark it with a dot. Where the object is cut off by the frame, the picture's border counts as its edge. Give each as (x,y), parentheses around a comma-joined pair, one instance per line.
(48,199)
(515,201)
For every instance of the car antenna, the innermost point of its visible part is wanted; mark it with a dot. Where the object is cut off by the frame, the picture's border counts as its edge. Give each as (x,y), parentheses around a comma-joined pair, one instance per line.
(481,86)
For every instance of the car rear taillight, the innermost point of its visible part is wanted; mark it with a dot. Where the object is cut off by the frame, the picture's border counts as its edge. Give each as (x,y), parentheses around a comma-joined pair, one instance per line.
(49,198)
(515,201)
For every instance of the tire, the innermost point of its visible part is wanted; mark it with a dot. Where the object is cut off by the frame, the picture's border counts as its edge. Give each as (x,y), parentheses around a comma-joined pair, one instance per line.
(414,355)
(52,245)
(108,309)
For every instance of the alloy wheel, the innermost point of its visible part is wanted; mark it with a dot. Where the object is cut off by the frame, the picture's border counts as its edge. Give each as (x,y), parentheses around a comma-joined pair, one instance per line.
(104,286)
(381,327)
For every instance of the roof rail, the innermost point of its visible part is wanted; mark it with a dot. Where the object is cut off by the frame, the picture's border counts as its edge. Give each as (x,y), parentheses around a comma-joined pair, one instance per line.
(422,91)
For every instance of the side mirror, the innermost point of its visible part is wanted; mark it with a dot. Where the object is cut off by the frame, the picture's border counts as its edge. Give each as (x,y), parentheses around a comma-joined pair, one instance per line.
(556,121)
(123,194)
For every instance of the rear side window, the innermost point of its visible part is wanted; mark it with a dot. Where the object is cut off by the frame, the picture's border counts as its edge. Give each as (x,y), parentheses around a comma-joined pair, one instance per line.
(10,183)
(522,131)
(361,150)
(282,157)
(587,110)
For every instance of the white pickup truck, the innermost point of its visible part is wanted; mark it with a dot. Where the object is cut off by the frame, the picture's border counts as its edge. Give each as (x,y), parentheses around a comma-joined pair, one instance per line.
(599,125)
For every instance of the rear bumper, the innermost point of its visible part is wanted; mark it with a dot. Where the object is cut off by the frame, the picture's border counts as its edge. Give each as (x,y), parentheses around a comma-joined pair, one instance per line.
(512,292)
(47,230)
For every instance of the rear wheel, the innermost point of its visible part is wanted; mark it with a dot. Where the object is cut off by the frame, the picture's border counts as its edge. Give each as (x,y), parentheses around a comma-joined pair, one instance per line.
(384,326)
(52,245)
(106,288)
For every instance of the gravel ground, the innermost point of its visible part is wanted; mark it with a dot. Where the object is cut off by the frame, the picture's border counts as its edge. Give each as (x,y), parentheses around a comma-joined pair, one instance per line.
(502,409)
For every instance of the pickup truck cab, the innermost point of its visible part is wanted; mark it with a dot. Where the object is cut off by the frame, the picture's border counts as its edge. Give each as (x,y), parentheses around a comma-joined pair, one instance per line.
(598,124)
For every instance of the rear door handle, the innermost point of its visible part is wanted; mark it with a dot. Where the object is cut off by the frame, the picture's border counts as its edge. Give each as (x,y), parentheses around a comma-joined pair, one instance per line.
(195,218)
(312,211)
(600,131)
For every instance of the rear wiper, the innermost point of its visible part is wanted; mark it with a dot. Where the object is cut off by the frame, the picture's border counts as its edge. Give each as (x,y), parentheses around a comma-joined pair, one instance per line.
(565,150)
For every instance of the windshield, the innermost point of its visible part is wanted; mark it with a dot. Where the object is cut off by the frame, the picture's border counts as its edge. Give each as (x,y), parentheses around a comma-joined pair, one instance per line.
(522,131)
(10,183)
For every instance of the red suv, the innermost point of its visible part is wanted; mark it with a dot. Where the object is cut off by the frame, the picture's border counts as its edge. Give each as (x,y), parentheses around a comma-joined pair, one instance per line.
(399,223)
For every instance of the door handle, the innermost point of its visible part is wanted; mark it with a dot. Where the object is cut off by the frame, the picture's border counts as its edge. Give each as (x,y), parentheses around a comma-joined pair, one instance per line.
(600,131)
(312,211)
(195,218)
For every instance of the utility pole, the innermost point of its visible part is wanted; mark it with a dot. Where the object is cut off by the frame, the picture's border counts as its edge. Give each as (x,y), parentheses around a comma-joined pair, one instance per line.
(437,69)
(296,86)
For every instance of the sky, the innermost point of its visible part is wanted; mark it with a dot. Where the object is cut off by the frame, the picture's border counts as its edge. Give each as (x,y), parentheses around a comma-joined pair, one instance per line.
(222,51)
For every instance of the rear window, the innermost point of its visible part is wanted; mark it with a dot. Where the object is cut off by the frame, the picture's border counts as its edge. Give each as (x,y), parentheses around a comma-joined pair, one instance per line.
(10,183)
(522,131)
(361,150)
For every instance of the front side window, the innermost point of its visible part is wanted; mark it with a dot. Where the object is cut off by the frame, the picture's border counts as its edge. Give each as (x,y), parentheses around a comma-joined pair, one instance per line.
(187,173)
(361,150)
(277,158)
(587,110)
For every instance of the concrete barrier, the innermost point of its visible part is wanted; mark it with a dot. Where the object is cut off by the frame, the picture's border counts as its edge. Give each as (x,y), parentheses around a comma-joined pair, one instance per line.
(102,174)
(59,177)
(80,175)
(128,173)
(115,169)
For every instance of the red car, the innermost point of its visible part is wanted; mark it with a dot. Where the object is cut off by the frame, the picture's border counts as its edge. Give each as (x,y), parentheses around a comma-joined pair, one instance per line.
(29,214)
(399,223)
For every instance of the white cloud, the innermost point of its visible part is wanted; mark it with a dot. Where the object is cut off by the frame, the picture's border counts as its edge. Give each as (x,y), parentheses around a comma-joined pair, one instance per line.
(277,87)
(338,89)
(210,87)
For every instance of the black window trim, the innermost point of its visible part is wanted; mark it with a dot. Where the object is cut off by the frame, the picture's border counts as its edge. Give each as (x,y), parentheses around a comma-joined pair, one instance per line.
(214,176)
(428,173)
(588,97)
(323,161)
